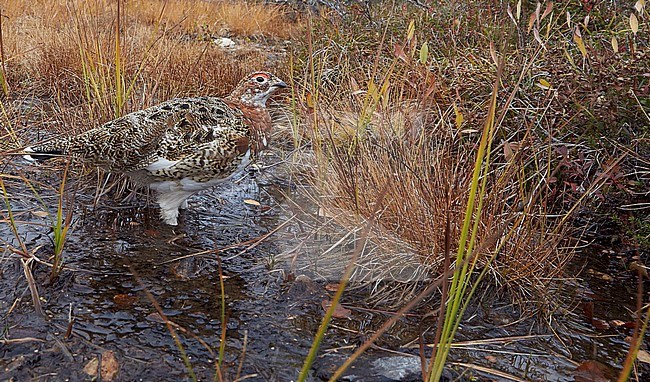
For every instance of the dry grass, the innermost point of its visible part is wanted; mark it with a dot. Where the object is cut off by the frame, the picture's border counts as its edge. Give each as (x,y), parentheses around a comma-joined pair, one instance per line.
(54,48)
(71,65)
(70,70)
(381,110)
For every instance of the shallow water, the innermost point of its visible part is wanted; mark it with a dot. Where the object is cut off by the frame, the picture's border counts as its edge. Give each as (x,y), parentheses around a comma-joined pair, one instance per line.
(122,261)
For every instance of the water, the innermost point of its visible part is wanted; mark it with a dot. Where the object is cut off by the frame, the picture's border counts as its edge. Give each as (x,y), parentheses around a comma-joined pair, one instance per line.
(121,262)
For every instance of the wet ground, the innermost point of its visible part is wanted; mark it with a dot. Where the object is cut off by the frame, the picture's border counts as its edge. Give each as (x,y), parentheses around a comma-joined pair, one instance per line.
(121,261)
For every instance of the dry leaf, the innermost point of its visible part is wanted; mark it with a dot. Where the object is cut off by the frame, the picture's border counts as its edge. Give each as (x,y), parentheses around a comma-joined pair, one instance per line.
(600,324)
(639,268)
(639,5)
(424,53)
(339,310)
(322,212)
(510,14)
(155,317)
(531,22)
(634,23)
(615,44)
(252,202)
(577,38)
(459,116)
(332,287)
(124,300)
(568,19)
(544,84)
(309,100)
(40,214)
(91,367)
(399,53)
(537,38)
(643,356)
(593,371)
(411,30)
(549,8)
(507,150)
(518,9)
(110,366)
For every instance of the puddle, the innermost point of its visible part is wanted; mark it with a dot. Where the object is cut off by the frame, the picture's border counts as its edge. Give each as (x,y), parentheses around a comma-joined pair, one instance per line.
(274,289)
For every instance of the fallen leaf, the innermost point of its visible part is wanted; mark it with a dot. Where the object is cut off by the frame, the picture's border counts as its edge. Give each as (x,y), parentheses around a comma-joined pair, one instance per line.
(152,233)
(110,366)
(410,31)
(322,212)
(399,53)
(639,5)
(538,38)
(599,324)
(459,116)
(507,150)
(592,371)
(614,44)
(643,356)
(639,268)
(332,287)
(91,367)
(531,22)
(600,275)
(252,202)
(588,310)
(40,214)
(544,84)
(547,11)
(634,23)
(577,38)
(339,310)
(124,300)
(424,53)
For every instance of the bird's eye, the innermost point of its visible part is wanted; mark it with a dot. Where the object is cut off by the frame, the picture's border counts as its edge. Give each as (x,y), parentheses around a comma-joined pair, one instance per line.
(260,79)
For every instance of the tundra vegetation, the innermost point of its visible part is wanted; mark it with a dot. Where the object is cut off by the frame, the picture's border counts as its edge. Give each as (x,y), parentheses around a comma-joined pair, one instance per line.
(494,141)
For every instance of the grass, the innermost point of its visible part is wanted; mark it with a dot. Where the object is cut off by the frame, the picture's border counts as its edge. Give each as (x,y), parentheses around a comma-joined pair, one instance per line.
(387,108)
(390,98)
(89,62)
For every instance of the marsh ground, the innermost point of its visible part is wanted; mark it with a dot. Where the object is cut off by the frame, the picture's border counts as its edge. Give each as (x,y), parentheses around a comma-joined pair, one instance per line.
(278,242)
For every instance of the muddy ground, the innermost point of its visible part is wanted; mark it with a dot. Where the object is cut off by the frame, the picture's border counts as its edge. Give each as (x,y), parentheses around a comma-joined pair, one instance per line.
(119,259)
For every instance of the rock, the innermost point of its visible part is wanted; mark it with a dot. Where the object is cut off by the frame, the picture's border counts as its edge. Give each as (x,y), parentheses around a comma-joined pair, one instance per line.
(224,42)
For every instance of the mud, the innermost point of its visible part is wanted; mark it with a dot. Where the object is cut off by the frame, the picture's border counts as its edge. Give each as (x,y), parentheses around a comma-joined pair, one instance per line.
(120,261)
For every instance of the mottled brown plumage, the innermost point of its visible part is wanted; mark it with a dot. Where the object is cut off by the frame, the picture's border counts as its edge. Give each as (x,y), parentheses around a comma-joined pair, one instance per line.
(178,147)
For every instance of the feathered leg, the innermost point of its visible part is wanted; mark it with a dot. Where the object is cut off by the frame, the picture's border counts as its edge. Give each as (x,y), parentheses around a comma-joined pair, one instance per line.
(170,202)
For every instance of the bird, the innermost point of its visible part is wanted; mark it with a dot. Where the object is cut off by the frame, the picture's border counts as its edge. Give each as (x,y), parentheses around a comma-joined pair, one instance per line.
(179,147)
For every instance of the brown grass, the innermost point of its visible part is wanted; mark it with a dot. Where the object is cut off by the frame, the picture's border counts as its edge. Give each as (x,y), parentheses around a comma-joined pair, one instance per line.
(167,48)
(418,134)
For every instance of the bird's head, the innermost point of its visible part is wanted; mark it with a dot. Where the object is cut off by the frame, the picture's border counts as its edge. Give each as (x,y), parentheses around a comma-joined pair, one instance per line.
(255,89)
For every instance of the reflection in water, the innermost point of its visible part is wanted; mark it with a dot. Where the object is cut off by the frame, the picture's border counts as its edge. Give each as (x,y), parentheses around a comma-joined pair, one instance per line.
(114,255)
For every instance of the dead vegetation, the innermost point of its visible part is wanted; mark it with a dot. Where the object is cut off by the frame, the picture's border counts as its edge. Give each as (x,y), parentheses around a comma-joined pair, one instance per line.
(389,104)
(402,109)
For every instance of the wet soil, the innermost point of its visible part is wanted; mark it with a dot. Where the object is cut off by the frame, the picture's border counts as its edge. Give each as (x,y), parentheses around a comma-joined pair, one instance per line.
(120,261)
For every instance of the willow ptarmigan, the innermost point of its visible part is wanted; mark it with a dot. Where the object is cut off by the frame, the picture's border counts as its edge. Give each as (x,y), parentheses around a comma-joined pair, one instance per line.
(181,146)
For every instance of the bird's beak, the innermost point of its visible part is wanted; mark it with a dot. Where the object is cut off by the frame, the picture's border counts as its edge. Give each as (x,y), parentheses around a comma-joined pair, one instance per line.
(281,85)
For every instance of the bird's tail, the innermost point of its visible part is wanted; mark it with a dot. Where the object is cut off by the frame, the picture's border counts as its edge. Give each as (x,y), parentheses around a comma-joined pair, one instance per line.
(53,149)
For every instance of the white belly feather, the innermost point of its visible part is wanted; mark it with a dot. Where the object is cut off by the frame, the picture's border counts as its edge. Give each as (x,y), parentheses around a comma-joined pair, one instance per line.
(188,184)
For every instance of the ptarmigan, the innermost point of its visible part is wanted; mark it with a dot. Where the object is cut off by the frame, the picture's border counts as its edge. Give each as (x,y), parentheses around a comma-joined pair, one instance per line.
(181,146)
